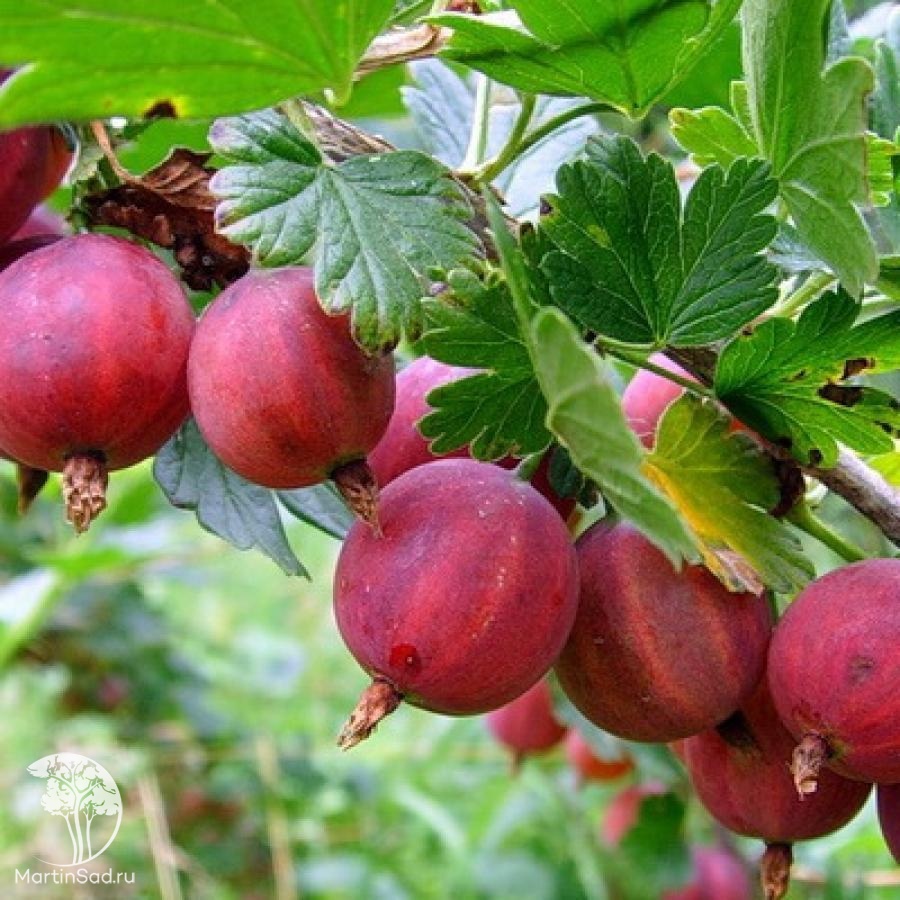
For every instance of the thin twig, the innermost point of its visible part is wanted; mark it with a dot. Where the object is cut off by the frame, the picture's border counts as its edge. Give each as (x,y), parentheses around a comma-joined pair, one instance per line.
(103,142)
(276,822)
(403,45)
(161,848)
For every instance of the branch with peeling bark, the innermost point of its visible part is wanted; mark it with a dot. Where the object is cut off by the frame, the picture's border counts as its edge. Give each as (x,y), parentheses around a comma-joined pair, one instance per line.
(861,486)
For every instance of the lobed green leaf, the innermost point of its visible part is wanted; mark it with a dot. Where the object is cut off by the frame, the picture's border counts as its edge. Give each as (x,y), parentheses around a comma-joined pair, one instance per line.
(786,380)
(627,54)
(375,224)
(501,411)
(92,59)
(629,263)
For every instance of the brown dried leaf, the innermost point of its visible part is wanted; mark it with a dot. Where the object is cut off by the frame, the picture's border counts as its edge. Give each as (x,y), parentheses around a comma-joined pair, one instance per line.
(171,206)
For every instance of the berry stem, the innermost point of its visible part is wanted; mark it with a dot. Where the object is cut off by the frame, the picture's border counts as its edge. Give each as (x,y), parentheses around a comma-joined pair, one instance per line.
(636,359)
(84,490)
(806,762)
(547,128)
(356,482)
(806,520)
(378,700)
(775,870)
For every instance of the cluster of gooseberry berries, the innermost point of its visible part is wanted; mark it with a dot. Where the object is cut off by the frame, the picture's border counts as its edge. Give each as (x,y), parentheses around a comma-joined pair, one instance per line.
(459,587)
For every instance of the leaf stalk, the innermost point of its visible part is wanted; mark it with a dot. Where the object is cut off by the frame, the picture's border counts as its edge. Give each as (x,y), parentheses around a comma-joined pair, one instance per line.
(487,172)
(809,290)
(481,120)
(806,520)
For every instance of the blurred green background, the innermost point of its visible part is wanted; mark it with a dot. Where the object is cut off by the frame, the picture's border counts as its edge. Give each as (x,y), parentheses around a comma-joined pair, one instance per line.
(211,687)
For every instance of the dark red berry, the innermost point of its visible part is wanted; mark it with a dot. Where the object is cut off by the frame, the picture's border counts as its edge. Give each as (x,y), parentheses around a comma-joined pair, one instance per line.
(656,654)
(32,163)
(403,447)
(30,481)
(889,816)
(465,601)
(93,351)
(281,392)
(740,772)
(834,672)
(718,874)
(589,766)
(527,725)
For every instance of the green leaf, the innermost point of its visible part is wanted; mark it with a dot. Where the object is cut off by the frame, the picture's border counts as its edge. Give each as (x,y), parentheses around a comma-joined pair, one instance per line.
(785,380)
(790,254)
(653,852)
(627,54)
(711,135)
(888,465)
(320,506)
(226,505)
(586,416)
(708,81)
(499,412)
(809,121)
(723,485)
(889,276)
(886,98)
(883,156)
(376,224)
(92,59)
(630,264)
(442,105)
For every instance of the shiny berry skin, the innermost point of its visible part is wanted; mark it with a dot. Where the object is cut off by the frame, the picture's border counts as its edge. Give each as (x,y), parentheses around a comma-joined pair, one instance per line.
(33,161)
(656,654)
(465,601)
(279,389)
(834,673)
(93,350)
(93,353)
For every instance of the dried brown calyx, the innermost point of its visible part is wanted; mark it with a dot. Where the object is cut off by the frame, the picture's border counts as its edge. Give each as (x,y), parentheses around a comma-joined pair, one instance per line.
(378,700)
(775,870)
(808,758)
(84,490)
(356,482)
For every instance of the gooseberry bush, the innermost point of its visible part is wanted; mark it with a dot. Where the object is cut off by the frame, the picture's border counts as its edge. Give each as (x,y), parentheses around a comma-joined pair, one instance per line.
(420,346)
